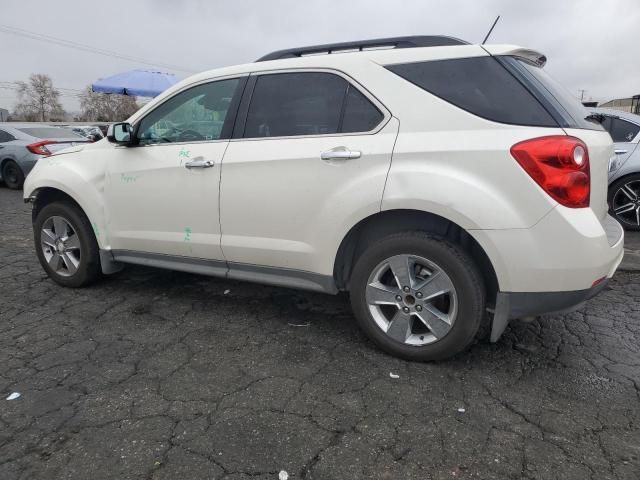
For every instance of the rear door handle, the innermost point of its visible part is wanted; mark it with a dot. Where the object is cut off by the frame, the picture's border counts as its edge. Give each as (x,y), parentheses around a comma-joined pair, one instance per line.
(340,153)
(621,152)
(199,163)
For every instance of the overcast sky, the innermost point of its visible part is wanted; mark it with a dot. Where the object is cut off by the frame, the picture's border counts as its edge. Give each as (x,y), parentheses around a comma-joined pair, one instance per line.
(590,44)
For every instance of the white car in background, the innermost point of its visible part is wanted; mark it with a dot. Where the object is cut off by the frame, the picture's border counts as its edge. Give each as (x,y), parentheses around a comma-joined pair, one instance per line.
(624,169)
(434,180)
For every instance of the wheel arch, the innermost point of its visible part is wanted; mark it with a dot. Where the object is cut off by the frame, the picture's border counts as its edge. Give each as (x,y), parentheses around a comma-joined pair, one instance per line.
(4,160)
(43,196)
(630,173)
(388,222)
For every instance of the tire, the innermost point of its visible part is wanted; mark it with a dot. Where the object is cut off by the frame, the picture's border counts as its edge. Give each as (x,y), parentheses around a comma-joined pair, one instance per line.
(621,197)
(79,263)
(12,175)
(429,257)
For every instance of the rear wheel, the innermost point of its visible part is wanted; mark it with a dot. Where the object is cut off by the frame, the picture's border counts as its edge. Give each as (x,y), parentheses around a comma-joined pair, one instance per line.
(417,296)
(12,175)
(66,246)
(624,201)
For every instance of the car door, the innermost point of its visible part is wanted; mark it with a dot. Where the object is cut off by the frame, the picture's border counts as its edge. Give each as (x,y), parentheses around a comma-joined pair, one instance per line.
(310,153)
(624,135)
(161,194)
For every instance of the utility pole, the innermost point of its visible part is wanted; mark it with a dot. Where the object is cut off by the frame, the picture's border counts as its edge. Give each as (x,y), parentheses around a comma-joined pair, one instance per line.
(582,94)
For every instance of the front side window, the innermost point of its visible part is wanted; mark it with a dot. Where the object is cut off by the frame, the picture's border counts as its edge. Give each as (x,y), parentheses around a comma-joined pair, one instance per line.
(308,103)
(620,130)
(195,115)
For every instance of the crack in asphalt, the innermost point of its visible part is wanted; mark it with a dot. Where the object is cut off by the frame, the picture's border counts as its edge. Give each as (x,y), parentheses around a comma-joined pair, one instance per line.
(161,375)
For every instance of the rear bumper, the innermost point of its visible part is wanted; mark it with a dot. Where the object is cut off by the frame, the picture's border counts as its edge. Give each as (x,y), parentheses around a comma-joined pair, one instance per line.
(564,260)
(566,251)
(521,305)
(512,305)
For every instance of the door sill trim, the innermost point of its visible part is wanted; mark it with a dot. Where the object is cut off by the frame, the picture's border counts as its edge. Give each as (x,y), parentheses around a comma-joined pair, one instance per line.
(281,277)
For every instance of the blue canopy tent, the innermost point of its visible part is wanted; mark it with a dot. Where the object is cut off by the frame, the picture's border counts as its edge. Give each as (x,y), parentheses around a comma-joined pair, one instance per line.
(136,83)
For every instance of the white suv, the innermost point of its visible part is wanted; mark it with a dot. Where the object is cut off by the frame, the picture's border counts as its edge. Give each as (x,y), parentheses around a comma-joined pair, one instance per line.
(434,180)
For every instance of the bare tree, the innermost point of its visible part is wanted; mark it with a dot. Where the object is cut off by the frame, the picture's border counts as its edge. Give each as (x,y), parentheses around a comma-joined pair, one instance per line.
(38,100)
(102,107)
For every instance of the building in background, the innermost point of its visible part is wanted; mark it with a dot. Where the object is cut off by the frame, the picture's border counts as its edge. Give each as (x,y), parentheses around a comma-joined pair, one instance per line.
(4,115)
(630,104)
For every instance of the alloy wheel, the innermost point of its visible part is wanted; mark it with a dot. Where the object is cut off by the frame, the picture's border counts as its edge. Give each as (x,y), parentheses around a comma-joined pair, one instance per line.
(625,203)
(412,299)
(11,174)
(60,245)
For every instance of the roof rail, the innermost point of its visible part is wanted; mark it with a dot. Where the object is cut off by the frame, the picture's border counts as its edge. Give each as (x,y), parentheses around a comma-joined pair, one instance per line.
(392,42)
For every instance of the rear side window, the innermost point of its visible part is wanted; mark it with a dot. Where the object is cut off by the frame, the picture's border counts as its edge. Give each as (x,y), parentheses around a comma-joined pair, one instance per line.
(479,85)
(5,137)
(620,130)
(50,132)
(360,115)
(308,103)
(291,104)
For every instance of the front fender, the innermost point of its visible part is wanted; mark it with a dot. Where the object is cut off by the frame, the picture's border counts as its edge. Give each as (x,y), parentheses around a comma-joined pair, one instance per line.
(81,179)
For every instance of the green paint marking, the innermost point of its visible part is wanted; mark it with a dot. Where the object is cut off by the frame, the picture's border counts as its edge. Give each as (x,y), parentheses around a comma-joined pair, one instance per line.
(95,229)
(187,234)
(184,153)
(127,178)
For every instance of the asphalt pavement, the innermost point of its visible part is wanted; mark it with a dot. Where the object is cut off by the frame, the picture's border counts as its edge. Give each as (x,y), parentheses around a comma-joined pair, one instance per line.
(153,374)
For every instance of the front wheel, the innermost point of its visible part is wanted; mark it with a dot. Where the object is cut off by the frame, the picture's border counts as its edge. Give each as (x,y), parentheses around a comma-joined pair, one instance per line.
(417,296)
(624,201)
(66,246)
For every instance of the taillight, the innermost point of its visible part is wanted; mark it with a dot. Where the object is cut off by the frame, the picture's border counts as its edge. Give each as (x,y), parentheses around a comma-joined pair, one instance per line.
(39,148)
(560,165)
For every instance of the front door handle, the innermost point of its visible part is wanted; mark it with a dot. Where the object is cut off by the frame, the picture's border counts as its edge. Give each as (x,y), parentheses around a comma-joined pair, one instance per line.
(621,152)
(340,153)
(199,163)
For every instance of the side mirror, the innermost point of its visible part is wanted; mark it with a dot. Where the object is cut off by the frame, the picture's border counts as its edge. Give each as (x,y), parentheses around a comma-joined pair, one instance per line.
(120,133)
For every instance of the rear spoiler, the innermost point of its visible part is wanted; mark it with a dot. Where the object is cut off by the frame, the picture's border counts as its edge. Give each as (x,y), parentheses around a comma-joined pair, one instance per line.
(530,56)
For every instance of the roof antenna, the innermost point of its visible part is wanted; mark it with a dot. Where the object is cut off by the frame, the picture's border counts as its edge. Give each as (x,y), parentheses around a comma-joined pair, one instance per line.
(490,30)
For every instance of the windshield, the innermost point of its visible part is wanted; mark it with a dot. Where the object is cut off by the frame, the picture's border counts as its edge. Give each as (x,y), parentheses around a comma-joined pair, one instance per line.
(566,108)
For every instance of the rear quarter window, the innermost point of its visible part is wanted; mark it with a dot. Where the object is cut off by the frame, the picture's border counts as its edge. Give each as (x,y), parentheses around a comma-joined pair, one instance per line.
(5,137)
(565,108)
(479,85)
(360,115)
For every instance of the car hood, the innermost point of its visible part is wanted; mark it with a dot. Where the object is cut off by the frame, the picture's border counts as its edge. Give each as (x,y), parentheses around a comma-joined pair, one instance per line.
(74,149)
(80,147)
